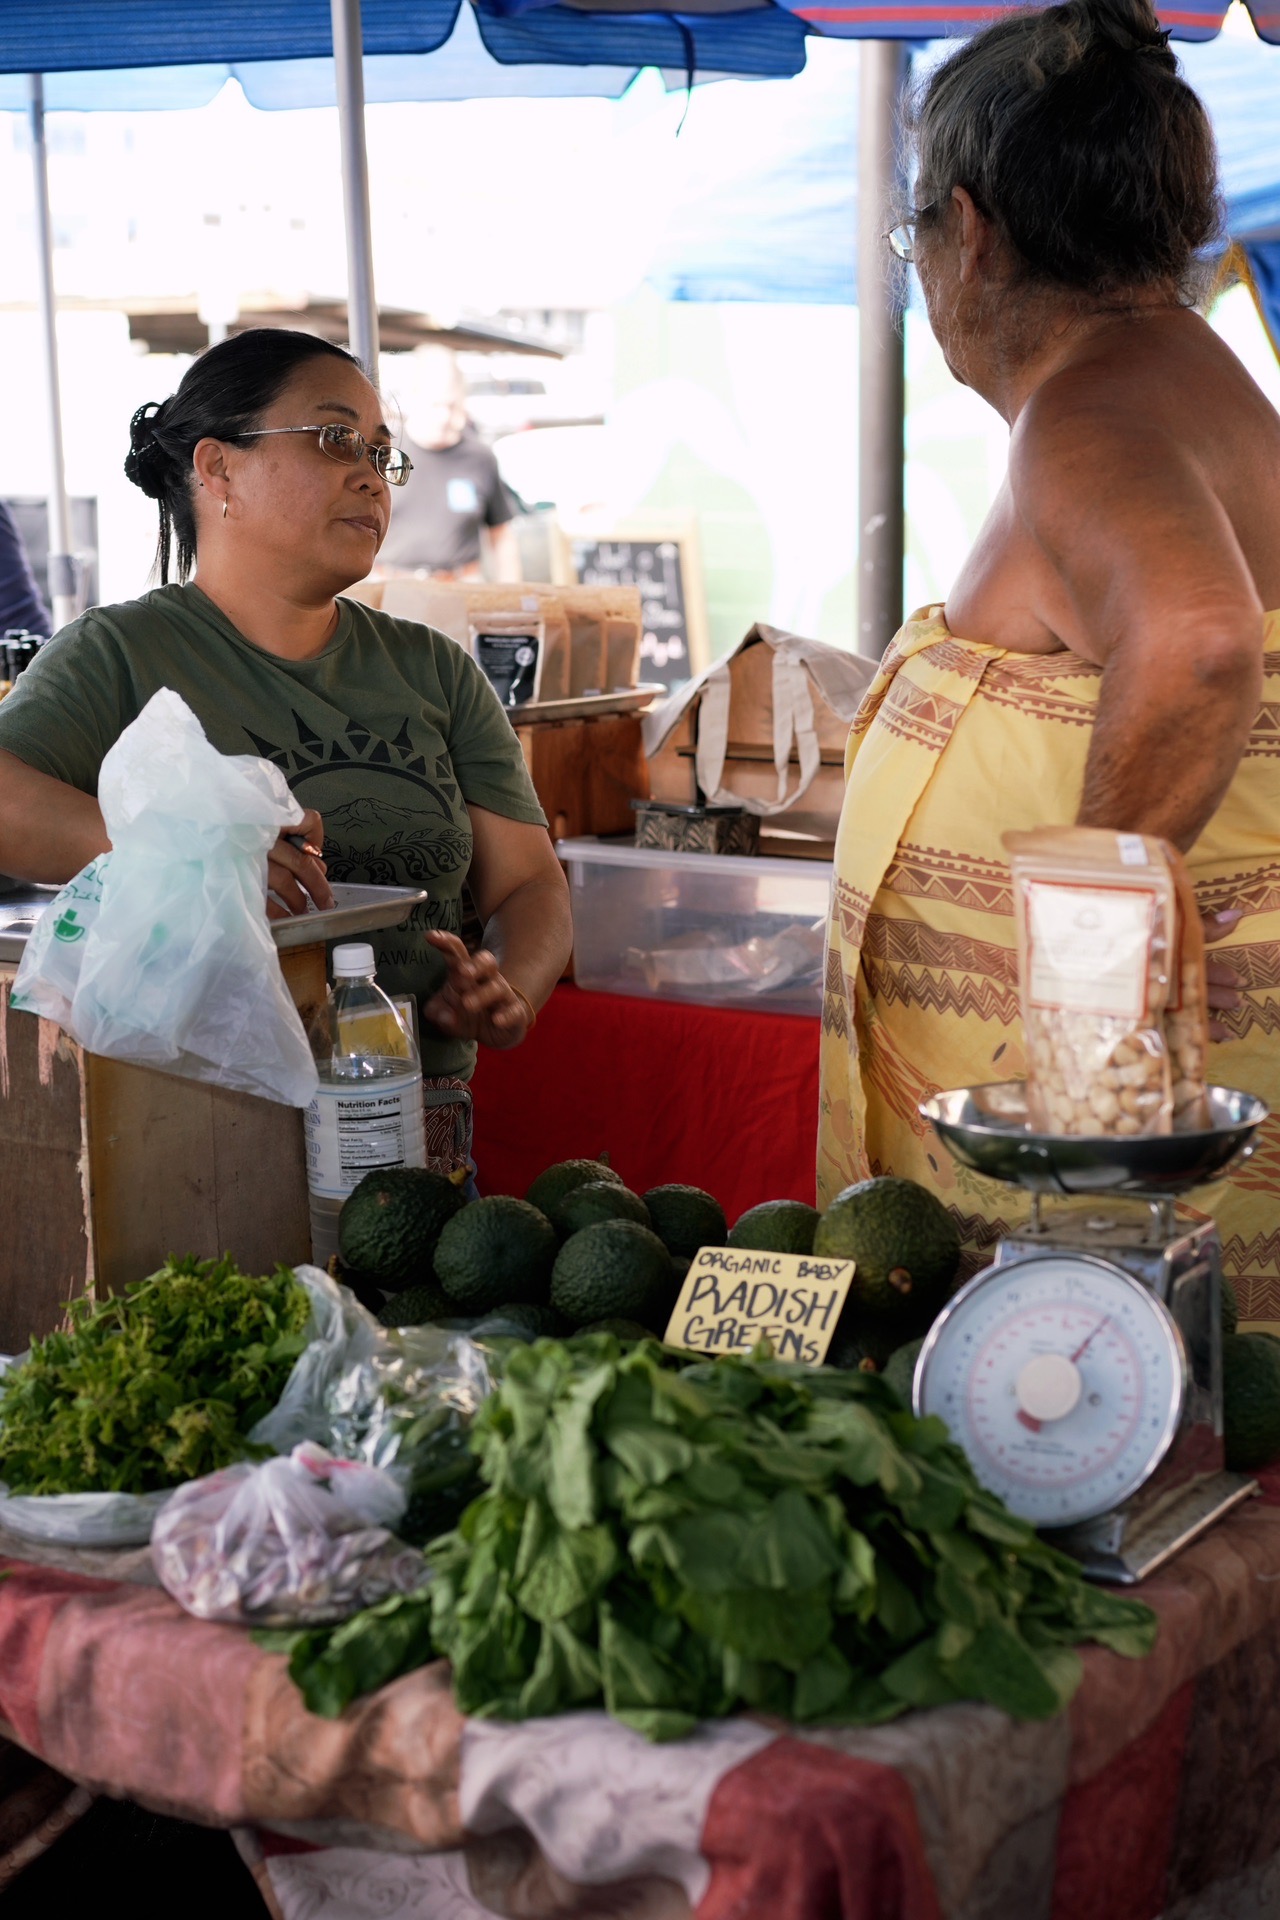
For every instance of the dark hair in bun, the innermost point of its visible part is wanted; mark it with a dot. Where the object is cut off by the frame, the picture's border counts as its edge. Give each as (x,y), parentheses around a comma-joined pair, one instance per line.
(1074,130)
(222,396)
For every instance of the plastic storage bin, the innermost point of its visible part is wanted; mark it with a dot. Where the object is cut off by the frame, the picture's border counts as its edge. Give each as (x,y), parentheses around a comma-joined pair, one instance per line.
(711,928)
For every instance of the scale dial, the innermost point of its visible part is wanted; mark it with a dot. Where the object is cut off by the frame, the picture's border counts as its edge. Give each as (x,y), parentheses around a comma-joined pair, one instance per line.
(1063,1379)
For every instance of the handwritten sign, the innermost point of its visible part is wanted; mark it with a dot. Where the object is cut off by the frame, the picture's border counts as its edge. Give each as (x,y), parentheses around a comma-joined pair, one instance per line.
(733,1297)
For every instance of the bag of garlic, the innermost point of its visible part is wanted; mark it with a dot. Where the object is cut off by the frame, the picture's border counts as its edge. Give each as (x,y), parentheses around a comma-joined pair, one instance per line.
(1111,974)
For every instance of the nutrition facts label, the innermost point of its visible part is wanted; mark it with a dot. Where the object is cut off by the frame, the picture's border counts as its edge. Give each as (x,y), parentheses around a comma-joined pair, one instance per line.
(350,1131)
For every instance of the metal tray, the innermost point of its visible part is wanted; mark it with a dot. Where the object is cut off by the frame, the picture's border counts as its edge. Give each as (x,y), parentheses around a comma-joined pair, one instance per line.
(358,910)
(19,912)
(588,706)
(986,1129)
(355,910)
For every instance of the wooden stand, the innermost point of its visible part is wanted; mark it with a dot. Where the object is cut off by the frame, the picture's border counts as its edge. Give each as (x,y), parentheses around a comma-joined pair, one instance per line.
(106,1169)
(586,773)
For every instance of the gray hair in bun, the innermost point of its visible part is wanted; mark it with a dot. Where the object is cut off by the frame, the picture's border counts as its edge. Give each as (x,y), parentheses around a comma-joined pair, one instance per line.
(1074,131)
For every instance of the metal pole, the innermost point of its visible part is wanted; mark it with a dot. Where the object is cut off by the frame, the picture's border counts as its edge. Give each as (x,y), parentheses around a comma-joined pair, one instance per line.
(881,363)
(362,307)
(62,568)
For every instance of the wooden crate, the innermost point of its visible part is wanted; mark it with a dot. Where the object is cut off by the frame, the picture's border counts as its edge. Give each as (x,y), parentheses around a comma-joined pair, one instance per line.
(105,1169)
(586,773)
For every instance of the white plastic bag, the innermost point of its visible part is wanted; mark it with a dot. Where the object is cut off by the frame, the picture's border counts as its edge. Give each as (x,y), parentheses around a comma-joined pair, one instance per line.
(294,1542)
(341,1336)
(159,952)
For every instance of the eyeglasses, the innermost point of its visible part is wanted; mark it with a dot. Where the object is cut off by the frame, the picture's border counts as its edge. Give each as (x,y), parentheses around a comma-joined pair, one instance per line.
(348,447)
(902,238)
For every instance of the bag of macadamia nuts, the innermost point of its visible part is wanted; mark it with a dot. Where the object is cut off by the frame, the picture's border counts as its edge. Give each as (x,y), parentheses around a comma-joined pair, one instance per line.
(1111,975)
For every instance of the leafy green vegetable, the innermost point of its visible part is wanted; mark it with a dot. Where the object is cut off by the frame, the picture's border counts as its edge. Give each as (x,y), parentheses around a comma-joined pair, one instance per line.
(154,1386)
(678,1541)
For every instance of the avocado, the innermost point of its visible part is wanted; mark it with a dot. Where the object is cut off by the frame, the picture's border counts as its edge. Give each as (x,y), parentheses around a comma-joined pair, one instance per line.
(686,1218)
(598,1200)
(1251,1400)
(900,1369)
(534,1322)
(1230,1308)
(390,1224)
(620,1329)
(497,1250)
(551,1186)
(416,1307)
(849,1351)
(905,1246)
(617,1270)
(776,1226)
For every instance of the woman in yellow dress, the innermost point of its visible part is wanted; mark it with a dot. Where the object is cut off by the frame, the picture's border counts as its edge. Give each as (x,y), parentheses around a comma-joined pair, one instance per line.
(1106,655)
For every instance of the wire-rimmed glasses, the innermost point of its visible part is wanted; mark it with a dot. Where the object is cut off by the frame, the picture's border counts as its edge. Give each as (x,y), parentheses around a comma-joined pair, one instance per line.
(348,446)
(902,238)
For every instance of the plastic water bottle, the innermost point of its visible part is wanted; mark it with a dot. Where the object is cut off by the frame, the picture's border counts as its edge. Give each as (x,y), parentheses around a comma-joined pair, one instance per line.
(368,1111)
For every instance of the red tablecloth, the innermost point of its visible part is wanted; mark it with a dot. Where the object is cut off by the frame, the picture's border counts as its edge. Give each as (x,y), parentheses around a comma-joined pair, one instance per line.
(726,1101)
(1155,1794)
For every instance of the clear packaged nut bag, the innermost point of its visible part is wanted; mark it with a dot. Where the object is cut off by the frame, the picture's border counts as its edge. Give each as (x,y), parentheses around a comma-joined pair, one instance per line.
(1111,973)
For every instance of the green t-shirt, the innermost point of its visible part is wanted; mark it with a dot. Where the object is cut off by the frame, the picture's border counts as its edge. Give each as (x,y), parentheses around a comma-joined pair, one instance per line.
(388,734)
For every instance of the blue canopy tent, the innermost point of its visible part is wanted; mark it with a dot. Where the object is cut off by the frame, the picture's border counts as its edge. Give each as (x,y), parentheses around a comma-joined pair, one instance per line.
(175,52)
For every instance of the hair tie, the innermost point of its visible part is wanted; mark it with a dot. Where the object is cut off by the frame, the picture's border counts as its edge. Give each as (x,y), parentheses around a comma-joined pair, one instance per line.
(143,462)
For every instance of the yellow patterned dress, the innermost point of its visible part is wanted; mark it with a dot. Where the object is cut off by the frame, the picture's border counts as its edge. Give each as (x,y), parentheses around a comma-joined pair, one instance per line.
(955,744)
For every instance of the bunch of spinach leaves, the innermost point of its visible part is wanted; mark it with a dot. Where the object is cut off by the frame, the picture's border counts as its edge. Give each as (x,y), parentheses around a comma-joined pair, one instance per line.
(154,1386)
(676,1541)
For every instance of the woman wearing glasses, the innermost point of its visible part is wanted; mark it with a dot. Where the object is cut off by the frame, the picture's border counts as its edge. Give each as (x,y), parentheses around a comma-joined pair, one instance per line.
(1105,655)
(273,470)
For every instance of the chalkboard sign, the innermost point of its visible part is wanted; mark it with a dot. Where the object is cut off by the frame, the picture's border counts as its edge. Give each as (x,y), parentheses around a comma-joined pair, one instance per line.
(663,565)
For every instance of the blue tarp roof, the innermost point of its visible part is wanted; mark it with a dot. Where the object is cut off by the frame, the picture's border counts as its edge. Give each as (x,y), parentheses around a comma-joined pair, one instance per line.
(105,53)
(771,210)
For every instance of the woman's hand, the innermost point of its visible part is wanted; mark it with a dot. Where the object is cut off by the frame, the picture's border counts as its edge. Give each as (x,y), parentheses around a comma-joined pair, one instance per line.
(475,1002)
(1224,982)
(294,873)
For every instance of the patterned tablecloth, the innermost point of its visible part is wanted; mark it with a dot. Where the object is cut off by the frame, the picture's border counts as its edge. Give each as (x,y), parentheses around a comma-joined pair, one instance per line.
(1158,1794)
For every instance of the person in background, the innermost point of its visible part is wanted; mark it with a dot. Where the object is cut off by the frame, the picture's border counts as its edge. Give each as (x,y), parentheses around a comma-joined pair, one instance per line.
(1110,652)
(454,519)
(21,608)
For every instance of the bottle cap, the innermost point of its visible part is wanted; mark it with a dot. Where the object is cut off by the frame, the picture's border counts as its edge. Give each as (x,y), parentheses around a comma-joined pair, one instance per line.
(352,960)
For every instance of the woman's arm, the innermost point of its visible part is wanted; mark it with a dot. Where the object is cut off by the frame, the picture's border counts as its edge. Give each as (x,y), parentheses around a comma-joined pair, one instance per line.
(1160,597)
(522,897)
(48,830)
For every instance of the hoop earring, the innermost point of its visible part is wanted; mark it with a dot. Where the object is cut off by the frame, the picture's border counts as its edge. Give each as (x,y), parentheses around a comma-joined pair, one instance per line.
(224,509)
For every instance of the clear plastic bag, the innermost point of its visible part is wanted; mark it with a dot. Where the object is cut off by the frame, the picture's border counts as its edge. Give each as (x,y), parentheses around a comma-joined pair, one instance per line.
(1111,971)
(341,1337)
(297,1541)
(159,952)
(407,1407)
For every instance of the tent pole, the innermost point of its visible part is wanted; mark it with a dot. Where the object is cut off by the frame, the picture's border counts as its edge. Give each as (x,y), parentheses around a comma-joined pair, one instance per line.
(881,364)
(362,307)
(62,567)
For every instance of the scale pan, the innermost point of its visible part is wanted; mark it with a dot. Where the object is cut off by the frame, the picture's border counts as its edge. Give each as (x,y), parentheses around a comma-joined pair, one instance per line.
(986,1128)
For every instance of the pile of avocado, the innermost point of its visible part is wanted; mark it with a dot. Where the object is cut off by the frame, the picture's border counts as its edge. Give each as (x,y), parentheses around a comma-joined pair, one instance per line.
(580,1252)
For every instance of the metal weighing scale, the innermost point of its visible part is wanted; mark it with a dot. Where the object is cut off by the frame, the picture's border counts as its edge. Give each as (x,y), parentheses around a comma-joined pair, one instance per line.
(1082,1371)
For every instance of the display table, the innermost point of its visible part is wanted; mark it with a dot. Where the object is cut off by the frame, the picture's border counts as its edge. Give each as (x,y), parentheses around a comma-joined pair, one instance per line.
(724,1100)
(1155,1795)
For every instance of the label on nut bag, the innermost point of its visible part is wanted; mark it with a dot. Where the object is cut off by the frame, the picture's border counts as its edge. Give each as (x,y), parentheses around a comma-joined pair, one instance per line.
(1089,948)
(734,1297)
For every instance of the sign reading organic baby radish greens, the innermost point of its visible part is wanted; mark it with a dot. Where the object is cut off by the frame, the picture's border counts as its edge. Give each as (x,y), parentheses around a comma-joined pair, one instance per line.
(732,1299)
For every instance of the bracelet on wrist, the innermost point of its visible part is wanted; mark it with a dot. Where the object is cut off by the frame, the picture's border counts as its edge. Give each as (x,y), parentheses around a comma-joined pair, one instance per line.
(528,1006)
